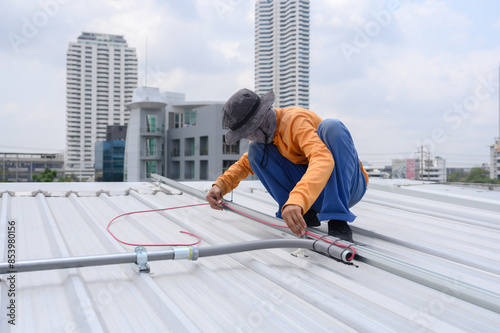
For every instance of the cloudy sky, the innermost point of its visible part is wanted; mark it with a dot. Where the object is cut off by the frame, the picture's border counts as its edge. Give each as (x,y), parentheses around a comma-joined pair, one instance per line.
(399,74)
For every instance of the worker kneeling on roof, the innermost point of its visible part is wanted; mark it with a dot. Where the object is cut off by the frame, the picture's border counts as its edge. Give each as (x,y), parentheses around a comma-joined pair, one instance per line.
(309,165)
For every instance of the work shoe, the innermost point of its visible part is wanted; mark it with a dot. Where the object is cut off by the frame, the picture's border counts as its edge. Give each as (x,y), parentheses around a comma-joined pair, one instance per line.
(311,219)
(340,229)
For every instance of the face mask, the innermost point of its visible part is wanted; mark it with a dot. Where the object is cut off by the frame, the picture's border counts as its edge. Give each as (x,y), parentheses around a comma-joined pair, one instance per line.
(265,132)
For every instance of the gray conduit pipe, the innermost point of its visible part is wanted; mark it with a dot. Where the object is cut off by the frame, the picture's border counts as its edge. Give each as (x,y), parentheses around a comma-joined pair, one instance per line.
(141,257)
(341,253)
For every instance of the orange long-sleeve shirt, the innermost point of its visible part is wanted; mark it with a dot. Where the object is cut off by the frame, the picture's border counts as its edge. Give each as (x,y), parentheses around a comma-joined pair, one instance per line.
(297,139)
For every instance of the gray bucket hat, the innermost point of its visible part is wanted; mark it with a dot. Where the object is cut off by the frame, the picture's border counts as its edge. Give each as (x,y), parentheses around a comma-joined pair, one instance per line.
(244,112)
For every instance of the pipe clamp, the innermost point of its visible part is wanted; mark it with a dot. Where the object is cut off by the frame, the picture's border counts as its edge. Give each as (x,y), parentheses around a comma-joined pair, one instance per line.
(142,259)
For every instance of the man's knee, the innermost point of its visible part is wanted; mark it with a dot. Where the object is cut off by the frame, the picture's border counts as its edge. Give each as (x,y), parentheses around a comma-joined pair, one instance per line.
(331,129)
(330,124)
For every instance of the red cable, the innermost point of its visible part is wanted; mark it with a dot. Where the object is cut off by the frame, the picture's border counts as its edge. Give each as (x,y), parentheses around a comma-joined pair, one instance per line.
(284,226)
(199,239)
(155,210)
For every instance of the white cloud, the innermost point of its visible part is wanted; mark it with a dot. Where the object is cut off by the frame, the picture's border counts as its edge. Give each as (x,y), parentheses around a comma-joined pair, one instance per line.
(8,110)
(228,50)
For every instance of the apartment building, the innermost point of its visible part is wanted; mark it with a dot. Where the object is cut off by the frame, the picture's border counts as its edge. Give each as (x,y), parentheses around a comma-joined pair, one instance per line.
(145,141)
(101,74)
(196,144)
(282,51)
(178,139)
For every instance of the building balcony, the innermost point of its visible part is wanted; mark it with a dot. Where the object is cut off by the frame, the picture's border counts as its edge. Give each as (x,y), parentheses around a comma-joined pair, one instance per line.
(156,157)
(156,134)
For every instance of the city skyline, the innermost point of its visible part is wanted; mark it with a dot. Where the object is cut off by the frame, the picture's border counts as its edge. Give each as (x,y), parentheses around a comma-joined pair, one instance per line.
(398,73)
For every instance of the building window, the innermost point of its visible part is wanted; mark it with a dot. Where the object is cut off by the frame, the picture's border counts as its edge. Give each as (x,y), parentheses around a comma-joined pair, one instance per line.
(150,123)
(151,147)
(150,168)
(189,147)
(226,164)
(175,173)
(189,117)
(175,119)
(204,145)
(230,149)
(189,170)
(204,170)
(176,144)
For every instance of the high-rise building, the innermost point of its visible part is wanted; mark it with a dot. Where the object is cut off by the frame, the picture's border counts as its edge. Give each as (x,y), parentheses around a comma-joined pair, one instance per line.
(101,74)
(282,51)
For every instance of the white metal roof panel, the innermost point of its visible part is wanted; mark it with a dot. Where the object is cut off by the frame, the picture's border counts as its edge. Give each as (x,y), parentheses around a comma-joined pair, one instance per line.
(438,254)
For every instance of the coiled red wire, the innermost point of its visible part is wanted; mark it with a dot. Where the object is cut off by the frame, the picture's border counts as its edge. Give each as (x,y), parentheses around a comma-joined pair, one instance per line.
(150,211)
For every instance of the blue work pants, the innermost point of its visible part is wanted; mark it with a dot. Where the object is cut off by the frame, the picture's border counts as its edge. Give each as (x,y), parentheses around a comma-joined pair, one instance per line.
(345,187)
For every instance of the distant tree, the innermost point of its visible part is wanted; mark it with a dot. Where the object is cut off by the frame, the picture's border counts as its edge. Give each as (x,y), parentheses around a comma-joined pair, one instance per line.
(457,176)
(46,176)
(69,178)
(478,175)
(3,179)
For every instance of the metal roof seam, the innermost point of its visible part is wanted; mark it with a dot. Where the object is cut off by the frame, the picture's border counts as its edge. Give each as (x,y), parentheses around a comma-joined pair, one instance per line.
(482,204)
(99,230)
(81,294)
(429,212)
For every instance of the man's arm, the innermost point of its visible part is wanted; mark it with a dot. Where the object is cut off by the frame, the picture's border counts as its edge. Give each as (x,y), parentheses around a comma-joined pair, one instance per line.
(229,181)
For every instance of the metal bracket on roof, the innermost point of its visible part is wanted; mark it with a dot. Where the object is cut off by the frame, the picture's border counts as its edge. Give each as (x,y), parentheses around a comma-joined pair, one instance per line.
(98,193)
(130,189)
(161,190)
(142,259)
(45,193)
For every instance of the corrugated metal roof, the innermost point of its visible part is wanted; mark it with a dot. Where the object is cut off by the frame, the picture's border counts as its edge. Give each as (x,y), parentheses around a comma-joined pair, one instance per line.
(428,261)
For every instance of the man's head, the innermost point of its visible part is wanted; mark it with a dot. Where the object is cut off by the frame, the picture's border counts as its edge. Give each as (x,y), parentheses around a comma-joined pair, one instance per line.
(244,112)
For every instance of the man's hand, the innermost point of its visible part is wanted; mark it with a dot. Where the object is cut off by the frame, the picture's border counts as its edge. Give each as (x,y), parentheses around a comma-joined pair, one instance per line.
(292,214)
(214,197)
